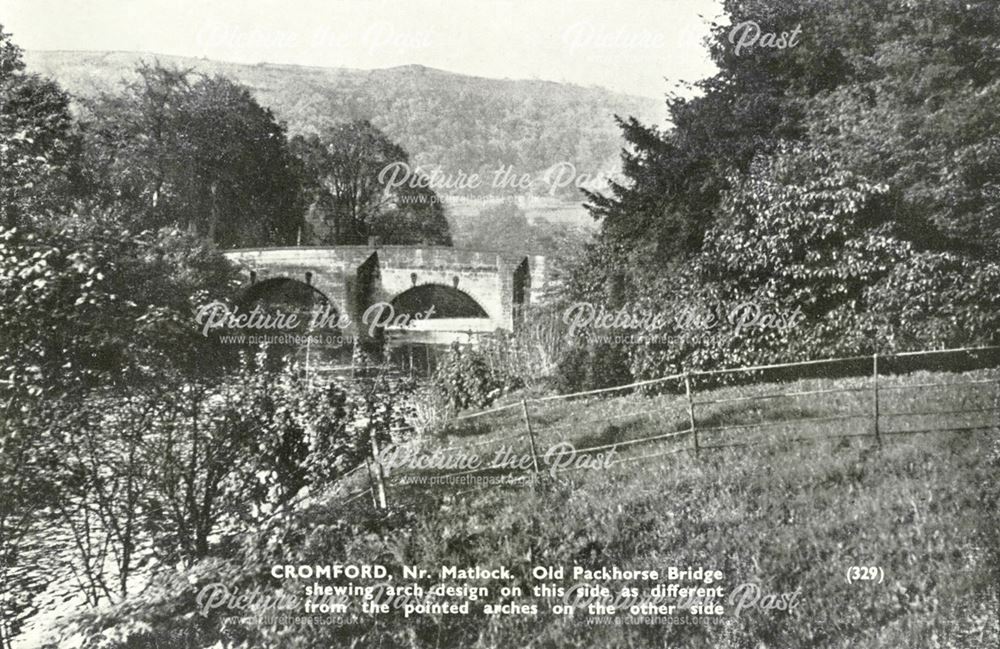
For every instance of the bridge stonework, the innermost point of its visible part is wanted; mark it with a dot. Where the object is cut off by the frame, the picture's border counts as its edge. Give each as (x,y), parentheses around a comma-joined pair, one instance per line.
(354,277)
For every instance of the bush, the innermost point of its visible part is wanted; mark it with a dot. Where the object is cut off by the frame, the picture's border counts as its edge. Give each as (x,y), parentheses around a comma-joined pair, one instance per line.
(467,379)
(592,366)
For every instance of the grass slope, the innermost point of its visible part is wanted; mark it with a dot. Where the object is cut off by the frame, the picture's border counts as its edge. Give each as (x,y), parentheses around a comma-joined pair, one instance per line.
(786,515)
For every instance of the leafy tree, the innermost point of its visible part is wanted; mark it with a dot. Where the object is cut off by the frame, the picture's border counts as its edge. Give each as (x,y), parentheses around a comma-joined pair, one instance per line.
(83,307)
(416,217)
(86,310)
(901,90)
(351,181)
(674,177)
(38,158)
(197,153)
(129,432)
(887,107)
(920,116)
(801,233)
(39,149)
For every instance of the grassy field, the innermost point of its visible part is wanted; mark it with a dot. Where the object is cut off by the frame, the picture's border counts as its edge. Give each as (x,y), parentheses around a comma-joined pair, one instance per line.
(785,514)
(730,415)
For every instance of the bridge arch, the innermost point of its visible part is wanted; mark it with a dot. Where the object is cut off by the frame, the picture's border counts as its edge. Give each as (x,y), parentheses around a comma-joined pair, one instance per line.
(284,291)
(448,302)
(354,278)
(318,335)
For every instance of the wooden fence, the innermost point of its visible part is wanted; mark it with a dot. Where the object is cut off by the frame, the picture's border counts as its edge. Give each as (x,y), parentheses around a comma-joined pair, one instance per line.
(687,408)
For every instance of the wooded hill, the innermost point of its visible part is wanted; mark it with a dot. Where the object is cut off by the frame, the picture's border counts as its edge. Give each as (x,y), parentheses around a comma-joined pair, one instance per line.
(462,123)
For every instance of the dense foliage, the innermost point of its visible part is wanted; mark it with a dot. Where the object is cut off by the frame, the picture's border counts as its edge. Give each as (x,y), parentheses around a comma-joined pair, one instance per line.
(900,90)
(355,195)
(467,378)
(842,178)
(86,312)
(130,442)
(38,143)
(801,235)
(197,153)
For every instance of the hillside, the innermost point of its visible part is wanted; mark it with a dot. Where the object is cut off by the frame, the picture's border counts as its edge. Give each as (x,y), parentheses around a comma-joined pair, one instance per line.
(460,123)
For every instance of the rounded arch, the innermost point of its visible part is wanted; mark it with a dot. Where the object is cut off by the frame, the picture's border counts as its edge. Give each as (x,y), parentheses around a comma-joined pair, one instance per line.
(301,340)
(448,302)
(284,292)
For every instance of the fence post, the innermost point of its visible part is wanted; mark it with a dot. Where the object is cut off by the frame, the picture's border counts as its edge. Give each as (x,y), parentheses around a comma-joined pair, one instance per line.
(878,435)
(376,477)
(531,435)
(371,482)
(308,349)
(687,390)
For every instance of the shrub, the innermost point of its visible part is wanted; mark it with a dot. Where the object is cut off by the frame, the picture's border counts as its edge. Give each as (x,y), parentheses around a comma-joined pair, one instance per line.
(467,379)
(592,366)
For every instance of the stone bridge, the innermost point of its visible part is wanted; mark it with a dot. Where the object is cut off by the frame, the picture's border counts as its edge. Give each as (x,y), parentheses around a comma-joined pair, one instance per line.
(472,291)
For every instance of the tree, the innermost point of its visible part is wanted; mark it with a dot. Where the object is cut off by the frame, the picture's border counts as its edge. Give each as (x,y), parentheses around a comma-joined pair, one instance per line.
(902,91)
(888,107)
(197,153)
(361,185)
(800,233)
(86,312)
(416,216)
(39,149)
(922,119)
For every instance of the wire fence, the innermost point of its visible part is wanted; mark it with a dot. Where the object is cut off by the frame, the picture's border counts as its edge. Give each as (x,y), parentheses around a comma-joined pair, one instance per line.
(693,412)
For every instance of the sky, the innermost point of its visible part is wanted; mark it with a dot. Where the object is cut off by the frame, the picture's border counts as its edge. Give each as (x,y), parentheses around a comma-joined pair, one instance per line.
(641,47)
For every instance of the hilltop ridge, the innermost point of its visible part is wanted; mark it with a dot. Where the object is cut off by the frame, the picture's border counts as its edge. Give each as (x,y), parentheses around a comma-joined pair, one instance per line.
(444,119)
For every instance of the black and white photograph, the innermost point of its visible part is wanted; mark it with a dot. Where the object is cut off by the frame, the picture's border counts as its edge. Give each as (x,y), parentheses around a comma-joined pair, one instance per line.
(500,324)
